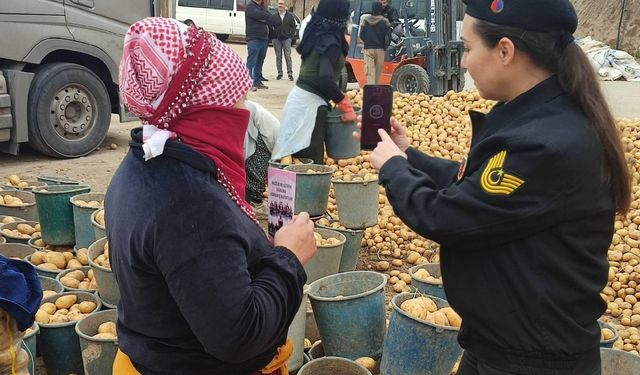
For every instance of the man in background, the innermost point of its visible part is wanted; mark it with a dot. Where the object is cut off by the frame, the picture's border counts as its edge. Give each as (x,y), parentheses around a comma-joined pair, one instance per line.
(389,12)
(285,27)
(257,20)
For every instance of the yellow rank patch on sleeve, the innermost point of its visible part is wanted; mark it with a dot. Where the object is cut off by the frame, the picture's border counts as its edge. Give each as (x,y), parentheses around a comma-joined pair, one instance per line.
(495,180)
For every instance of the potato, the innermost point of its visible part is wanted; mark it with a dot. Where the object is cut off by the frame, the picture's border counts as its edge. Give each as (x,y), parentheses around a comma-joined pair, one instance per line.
(37,227)
(75,315)
(49,308)
(62,311)
(415,308)
(37,258)
(90,274)
(14,180)
(49,267)
(454,319)
(39,242)
(55,258)
(93,284)
(48,293)
(58,318)
(64,302)
(42,317)
(100,217)
(286,160)
(107,327)
(607,334)
(382,265)
(67,255)
(73,263)
(105,336)
(83,256)
(87,307)
(70,282)
(84,285)
(440,318)
(366,362)
(25,229)
(77,274)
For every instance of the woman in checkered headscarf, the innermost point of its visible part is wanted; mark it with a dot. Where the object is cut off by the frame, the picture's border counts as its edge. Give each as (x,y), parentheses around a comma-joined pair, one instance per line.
(201,289)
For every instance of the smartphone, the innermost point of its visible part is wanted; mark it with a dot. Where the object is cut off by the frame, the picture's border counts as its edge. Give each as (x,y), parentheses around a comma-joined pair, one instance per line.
(377,103)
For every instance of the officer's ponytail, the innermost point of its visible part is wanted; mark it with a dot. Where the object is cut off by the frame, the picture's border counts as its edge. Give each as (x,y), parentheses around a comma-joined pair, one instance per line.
(553,52)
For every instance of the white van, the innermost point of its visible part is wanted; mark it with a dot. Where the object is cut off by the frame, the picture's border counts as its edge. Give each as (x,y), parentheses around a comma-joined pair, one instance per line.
(222,17)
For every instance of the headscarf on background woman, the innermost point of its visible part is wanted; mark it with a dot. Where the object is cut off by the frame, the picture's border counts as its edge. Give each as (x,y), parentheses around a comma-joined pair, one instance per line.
(326,28)
(186,87)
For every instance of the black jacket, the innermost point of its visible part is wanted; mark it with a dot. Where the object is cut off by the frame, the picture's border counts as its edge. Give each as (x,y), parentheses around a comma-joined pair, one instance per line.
(524,233)
(375,32)
(285,28)
(257,21)
(202,291)
(391,14)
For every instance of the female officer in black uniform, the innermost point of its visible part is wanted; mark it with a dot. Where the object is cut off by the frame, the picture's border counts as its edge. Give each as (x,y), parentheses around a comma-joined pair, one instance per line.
(525,225)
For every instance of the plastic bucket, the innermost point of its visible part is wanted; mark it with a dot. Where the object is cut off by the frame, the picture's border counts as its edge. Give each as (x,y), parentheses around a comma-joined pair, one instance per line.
(84,269)
(15,218)
(414,346)
(12,226)
(60,345)
(618,362)
(56,213)
(42,271)
(351,248)
(430,289)
(97,354)
(15,250)
(105,305)
(57,180)
(277,164)
(339,136)
(350,313)
(107,285)
(296,333)
(616,335)
(85,234)
(357,203)
(327,259)
(27,212)
(312,189)
(333,366)
(30,338)
(31,185)
(317,350)
(99,229)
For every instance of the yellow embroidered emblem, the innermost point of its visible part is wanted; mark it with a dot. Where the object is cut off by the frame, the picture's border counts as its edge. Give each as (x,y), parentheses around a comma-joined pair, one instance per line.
(495,180)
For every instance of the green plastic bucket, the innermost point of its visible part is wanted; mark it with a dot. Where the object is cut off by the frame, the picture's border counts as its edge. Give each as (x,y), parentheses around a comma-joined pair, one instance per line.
(99,229)
(107,285)
(85,234)
(351,248)
(43,271)
(349,309)
(277,164)
(312,189)
(12,226)
(57,180)
(56,212)
(30,338)
(618,362)
(97,354)
(15,250)
(84,269)
(327,259)
(333,366)
(60,346)
(357,203)
(28,211)
(431,289)
(417,347)
(339,136)
(297,333)
(616,335)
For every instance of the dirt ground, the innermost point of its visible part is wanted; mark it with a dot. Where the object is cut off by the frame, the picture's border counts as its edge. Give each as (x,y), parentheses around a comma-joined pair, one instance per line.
(601,19)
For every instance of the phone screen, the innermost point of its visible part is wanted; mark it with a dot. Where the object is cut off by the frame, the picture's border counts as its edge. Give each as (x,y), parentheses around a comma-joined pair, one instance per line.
(376,113)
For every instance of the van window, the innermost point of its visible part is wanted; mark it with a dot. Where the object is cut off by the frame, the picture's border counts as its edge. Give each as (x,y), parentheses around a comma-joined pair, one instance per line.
(221,4)
(193,3)
(241,5)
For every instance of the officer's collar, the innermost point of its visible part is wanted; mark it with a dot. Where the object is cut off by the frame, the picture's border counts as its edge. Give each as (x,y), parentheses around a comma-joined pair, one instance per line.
(503,113)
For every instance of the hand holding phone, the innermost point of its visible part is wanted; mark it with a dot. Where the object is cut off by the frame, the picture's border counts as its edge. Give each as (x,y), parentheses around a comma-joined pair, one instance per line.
(376,113)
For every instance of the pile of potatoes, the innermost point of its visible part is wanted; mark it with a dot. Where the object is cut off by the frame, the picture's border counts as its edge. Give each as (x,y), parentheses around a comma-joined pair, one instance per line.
(89,204)
(10,200)
(23,231)
(103,259)
(64,310)
(58,261)
(100,217)
(366,177)
(426,309)
(15,181)
(78,279)
(106,330)
(330,224)
(325,242)
(424,276)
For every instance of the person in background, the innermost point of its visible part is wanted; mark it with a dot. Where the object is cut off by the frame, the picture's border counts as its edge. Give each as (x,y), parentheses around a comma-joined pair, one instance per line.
(524,224)
(285,29)
(323,49)
(389,12)
(257,22)
(375,32)
(258,147)
(202,291)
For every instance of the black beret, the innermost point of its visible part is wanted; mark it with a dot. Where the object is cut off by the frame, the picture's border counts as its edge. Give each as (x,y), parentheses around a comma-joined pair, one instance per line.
(532,15)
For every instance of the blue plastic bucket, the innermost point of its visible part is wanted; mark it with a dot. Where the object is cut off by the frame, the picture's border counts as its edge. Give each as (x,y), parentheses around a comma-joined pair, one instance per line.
(431,289)
(351,248)
(350,313)
(84,231)
(416,347)
(312,189)
(616,335)
(97,354)
(333,366)
(327,259)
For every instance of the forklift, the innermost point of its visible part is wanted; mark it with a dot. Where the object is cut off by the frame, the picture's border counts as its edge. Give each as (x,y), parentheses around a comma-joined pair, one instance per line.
(425,51)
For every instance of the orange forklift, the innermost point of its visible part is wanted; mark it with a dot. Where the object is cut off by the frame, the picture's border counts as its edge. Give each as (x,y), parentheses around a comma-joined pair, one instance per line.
(425,51)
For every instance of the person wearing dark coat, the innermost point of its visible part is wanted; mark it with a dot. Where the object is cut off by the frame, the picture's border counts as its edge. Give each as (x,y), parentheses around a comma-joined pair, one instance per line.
(257,22)
(202,290)
(285,29)
(375,32)
(525,222)
(389,12)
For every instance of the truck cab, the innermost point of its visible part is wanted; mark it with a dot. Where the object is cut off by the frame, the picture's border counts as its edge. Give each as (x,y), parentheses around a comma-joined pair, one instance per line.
(59,71)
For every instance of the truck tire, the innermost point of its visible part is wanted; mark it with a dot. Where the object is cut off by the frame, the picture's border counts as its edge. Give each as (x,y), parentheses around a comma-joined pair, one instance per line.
(69,111)
(222,37)
(410,78)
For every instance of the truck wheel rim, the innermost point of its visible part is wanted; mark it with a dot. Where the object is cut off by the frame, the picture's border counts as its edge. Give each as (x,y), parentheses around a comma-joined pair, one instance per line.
(410,84)
(72,112)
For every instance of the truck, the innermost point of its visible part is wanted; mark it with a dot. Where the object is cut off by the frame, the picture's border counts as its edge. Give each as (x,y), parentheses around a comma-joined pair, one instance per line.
(59,63)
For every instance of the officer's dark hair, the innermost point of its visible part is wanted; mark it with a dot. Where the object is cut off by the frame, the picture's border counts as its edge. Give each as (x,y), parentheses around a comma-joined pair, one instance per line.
(550,51)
